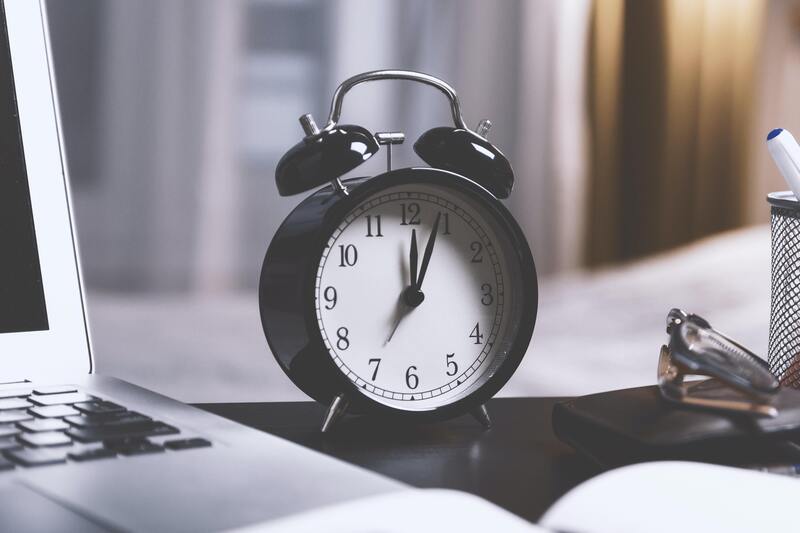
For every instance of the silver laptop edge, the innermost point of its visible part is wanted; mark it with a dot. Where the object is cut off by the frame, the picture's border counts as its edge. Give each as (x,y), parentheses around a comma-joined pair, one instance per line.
(65,171)
(28,92)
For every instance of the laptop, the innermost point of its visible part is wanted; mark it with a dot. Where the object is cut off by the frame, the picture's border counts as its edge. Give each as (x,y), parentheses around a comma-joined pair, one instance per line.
(84,452)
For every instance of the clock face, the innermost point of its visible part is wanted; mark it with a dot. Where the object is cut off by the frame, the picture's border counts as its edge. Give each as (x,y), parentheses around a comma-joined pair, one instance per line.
(416,324)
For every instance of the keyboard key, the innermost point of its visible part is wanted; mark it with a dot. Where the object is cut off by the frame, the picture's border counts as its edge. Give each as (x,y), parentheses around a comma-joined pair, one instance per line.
(14,403)
(99,407)
(133,446)
(92,454)
(38,456)
(124,442)
(50,411)
(9,443)
(102,433)
(185,444)
(8,430)
(5,464)
(46,438)
(7,417)
(55,389)
(58,399)
(110,419)
(14,393)
(43,424)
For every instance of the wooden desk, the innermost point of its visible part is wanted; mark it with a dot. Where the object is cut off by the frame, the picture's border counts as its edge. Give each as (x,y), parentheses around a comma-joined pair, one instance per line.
(517,464)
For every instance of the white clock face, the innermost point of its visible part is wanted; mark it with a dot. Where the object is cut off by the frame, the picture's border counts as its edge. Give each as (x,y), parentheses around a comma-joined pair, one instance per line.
(417,338)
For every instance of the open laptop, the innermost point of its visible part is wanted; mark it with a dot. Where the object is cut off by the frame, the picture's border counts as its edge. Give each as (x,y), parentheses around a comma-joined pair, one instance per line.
(81,452)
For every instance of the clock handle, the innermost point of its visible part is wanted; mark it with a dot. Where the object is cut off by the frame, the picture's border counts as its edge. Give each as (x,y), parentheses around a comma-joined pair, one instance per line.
(427,79)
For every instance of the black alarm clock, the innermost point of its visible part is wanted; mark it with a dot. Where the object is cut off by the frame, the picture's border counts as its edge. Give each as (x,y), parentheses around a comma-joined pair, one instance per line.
(410,294)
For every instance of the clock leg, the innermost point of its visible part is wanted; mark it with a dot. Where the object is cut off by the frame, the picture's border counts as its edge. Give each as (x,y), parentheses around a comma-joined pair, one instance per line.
(335,412)
(482,415)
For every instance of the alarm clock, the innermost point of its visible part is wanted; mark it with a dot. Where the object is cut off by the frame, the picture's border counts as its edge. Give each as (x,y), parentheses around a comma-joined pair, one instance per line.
(410,294)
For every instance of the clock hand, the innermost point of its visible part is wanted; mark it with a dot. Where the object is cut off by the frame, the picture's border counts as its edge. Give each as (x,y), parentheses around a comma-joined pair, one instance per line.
(412,260)
(394,329)
(404,306)
(426,258)
(410,297)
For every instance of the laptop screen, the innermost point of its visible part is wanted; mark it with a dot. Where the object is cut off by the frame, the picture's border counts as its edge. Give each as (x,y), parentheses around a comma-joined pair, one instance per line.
(22,303)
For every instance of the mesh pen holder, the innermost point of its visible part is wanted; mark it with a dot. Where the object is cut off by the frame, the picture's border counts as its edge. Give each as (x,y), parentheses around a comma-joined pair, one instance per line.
(784,318)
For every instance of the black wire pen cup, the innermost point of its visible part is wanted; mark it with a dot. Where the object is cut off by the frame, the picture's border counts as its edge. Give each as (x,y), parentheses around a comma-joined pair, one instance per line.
(784,318)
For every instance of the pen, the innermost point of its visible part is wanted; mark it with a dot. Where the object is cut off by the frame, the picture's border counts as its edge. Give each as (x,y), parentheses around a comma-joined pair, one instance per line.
(786,154)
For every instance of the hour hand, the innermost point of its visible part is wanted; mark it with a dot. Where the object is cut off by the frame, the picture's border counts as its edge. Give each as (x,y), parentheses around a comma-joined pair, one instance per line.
(411,295)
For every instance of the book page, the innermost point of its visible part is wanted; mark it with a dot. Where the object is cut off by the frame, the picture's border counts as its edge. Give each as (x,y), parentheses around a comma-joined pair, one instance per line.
(403,512)
(678,496)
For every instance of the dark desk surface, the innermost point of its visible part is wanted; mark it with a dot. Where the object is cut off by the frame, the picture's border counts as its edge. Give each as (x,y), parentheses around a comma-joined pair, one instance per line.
(518,464)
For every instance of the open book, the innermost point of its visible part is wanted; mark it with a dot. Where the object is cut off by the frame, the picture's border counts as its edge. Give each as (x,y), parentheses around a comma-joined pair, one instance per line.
(649,497)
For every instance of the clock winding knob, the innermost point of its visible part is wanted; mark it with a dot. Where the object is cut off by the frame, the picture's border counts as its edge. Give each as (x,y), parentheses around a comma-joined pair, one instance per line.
(308,124)
(483,128)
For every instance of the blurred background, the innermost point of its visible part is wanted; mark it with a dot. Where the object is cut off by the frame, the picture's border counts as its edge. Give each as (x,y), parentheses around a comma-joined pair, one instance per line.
(636,129)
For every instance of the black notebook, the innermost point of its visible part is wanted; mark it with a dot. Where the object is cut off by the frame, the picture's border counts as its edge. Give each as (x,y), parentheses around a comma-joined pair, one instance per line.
(635,425)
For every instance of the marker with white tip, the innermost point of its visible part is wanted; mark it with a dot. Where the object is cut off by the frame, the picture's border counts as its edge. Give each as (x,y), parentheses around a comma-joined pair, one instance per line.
(786,154)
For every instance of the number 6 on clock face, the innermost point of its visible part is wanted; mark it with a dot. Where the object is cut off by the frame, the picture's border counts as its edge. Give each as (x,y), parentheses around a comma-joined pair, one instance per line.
(415,344)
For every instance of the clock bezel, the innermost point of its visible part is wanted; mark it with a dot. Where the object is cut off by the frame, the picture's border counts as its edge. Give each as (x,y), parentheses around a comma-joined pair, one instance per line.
(340,207)
(528,294)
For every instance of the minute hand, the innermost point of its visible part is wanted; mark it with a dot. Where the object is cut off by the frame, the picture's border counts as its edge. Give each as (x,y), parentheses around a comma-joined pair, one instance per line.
(426,258)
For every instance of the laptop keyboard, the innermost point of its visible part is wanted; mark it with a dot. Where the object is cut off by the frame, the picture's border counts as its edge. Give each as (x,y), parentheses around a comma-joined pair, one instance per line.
(58,424)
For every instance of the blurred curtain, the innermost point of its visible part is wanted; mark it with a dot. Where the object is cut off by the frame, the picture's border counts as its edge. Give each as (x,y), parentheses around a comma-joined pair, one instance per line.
(148,118)
(552,131)
(519,63)
(671,97)
(176,112)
